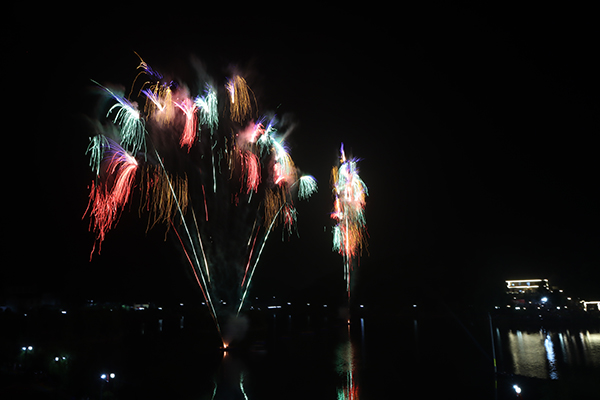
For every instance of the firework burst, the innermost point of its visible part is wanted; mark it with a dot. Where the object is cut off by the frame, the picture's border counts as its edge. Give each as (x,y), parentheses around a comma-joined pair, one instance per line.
(189,131)
(182,155)
(349,233)
(110,193)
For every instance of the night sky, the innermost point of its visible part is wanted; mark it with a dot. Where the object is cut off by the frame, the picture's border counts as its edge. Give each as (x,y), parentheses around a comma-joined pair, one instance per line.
(476,132)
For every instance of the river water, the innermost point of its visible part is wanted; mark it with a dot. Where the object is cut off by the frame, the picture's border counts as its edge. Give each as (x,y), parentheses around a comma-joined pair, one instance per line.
(300,355)
(548,354)
(313,357)
(322,357)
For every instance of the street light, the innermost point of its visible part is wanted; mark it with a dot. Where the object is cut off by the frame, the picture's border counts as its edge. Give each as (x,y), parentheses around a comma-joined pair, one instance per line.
(517,390)
(107,377)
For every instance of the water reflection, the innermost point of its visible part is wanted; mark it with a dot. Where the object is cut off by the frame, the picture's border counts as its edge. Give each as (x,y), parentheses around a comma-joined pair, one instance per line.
(229,382)
(551,357)
(347,364)
(542,354)
(528,353)
(591,342)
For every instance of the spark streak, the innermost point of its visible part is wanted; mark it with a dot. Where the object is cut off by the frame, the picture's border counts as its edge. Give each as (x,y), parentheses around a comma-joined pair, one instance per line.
(348,212)
(209,115)
(239,98)
(306,187)
(110,195)
(160,107)
(128,117)
(189,131)
(257,179)
(96,150)
(257,259)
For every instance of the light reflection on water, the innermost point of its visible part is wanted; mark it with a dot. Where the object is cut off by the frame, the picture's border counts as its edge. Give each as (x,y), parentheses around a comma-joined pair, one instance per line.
(348,356)
(542,354)
(347,364)
(320,352)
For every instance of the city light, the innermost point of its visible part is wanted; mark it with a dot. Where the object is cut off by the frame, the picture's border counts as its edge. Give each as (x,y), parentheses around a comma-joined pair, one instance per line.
(587,303)
(526,283)
(106,377)
(517,389)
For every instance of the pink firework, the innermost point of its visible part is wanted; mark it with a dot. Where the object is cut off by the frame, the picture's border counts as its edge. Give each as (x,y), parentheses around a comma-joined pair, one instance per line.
(251,166)
(189,131)
(111,193)
(250,134)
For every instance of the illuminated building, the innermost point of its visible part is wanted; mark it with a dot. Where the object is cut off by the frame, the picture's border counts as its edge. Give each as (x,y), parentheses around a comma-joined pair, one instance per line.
(591,305)
(527,286)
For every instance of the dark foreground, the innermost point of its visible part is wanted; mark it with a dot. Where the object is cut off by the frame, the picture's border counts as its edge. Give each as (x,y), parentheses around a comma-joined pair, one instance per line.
(274,353)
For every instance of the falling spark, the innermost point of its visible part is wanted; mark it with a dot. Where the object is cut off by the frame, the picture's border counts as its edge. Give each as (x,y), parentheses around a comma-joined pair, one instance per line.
(307,187)
(243,148)
(239,99)
(109,195)
(208,106)
(251,166)
(189,131)
(161,106)
(209,115)
(160,201)
(128,117)
(349,233)
(96,151)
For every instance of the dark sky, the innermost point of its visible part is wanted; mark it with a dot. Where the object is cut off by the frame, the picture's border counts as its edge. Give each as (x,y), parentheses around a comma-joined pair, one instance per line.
(476,131)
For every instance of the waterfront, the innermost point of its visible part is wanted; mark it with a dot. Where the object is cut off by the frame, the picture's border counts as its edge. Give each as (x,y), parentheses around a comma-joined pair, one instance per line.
(309,352)
(547,353)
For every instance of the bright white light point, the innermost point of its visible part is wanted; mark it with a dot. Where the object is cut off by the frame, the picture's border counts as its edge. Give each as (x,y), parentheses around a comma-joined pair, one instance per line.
(517,389)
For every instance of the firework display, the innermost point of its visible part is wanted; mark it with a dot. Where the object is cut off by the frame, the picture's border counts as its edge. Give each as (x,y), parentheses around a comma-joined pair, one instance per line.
(349,233)
(174,147)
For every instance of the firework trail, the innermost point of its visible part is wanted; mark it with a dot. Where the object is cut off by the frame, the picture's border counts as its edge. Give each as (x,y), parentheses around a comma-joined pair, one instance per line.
(189,131)
(349,233)
(160,202)
(96,151)
(130,121)
(239,99)
(188,143)
(307,186)
(209,116)
(112,191)
(161,105)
